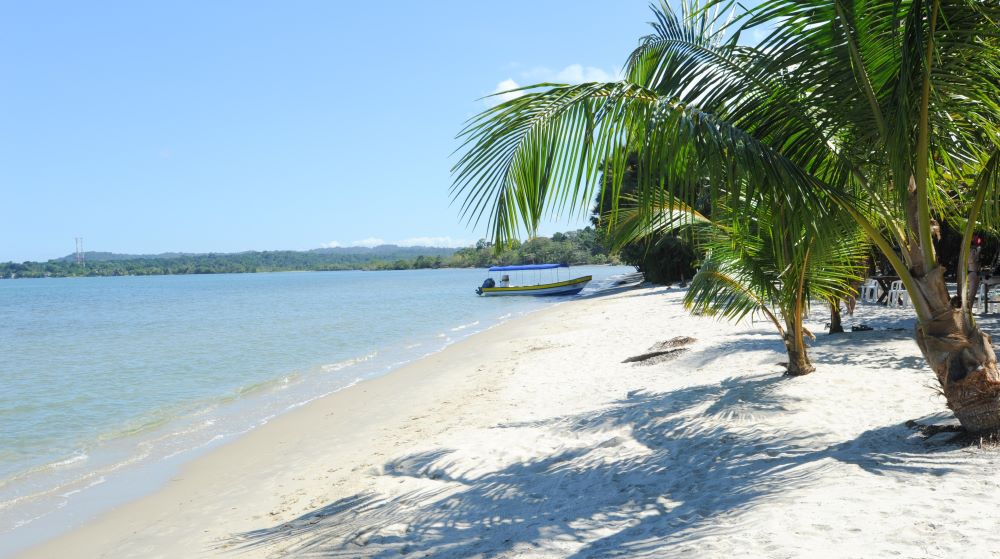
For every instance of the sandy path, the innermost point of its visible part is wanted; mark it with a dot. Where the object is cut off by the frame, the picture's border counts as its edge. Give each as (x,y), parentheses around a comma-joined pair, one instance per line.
(535,440)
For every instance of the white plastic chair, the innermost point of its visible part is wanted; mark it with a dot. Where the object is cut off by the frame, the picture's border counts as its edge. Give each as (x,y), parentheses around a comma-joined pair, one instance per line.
(904,298)
(981,303)
(869,291)
(896,294)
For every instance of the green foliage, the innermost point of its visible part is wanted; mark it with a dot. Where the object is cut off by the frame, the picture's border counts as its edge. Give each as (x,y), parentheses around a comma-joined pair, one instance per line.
(886,108)
(663,260)
(771,262)
(574,247)
(662,256)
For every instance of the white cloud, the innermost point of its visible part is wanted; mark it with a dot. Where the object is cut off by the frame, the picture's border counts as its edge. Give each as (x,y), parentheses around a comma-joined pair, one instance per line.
(435,242)
(572,74)
(575,73)
(369,242)
(444,241)
(506,86)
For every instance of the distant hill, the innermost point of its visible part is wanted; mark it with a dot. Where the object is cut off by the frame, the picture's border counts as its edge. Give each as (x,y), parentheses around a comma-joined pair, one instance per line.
(94,256)
(386,251)
(382,250)
(574,247)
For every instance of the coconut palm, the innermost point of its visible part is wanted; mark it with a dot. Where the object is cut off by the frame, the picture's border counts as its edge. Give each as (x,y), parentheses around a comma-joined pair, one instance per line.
(887,108)
(773,261)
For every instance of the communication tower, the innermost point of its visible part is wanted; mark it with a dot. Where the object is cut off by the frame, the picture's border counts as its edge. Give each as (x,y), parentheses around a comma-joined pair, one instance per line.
(79,251)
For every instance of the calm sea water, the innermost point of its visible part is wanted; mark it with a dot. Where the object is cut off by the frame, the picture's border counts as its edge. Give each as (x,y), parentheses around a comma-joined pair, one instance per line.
(109,383)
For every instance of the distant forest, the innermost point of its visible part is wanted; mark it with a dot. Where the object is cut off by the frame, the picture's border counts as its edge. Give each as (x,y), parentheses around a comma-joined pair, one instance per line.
(574,247)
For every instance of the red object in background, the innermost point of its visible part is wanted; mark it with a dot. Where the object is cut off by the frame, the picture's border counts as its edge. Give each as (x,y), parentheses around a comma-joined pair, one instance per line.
(977,240)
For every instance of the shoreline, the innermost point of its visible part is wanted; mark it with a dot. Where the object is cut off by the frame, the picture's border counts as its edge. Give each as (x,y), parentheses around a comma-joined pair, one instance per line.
(205,463)
(119,465)
(536,439)
(134,483)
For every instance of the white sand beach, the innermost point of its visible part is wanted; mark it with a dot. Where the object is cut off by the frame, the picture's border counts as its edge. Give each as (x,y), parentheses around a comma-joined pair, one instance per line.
(534,439)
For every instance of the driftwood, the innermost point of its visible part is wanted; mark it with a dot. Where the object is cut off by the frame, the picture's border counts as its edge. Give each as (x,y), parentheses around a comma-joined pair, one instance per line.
(662,351)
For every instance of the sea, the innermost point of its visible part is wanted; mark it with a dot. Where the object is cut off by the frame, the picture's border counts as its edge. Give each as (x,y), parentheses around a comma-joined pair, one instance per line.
(109,384)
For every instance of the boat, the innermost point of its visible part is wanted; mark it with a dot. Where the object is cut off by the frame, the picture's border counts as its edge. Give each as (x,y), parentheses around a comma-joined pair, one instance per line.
(491,287)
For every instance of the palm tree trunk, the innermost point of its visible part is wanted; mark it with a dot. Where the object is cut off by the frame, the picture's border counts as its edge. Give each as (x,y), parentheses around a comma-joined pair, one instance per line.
(795,346)
(961,356)
(836,324)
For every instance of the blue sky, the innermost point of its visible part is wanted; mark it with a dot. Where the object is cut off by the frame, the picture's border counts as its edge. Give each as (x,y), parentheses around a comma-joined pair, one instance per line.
(224,126)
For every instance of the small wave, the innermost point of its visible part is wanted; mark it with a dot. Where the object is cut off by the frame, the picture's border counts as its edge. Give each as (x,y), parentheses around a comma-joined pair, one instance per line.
(411,346)
(27,521)
(97,481)
(464,326)
(265,385)
(76,458)
(505,316)
(334,367)
(18,476)
(149,444)
(79,457)
(150,422)
(314,398)
(90,479)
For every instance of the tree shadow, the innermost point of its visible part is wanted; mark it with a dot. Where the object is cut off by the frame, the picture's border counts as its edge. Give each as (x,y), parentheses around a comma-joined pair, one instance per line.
(651,470)
(878,316)
(757,340)
(612,290)
(867,349)
(653,290)
(989,322)
(853,348)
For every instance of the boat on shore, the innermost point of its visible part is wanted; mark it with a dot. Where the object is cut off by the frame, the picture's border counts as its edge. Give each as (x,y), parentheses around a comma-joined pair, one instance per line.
(571,286)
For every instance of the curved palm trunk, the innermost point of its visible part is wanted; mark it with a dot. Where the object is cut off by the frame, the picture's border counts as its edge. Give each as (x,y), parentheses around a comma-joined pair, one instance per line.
(795,346)
(961,356)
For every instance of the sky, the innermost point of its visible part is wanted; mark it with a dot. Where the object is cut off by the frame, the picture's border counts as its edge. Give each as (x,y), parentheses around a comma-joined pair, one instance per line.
(225,126)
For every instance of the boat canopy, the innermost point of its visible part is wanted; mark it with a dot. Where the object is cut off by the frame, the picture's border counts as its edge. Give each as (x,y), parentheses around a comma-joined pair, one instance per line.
(527,267)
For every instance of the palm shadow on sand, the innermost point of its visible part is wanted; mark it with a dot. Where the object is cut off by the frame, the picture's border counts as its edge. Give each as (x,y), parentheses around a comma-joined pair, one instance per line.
(680,475)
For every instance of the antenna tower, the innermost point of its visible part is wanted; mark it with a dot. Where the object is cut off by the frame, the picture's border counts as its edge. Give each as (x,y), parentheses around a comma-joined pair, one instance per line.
(79,251)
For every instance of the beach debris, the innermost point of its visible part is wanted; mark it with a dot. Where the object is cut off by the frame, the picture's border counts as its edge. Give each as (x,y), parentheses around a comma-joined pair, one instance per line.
(948,433)
(662,351)
(679,341)
(654,357)
(931,430)
(954,434)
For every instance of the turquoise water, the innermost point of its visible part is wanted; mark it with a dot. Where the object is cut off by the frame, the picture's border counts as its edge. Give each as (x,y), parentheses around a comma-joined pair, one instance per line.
(110,382)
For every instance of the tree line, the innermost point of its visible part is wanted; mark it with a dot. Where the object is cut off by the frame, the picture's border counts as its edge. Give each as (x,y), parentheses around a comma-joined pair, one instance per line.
(573,247)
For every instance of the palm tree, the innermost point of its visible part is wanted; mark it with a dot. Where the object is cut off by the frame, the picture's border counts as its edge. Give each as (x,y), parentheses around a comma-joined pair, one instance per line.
(772,261)
(886,108)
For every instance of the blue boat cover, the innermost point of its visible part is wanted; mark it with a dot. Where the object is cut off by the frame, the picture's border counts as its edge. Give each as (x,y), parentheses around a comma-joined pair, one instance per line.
(527,267)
